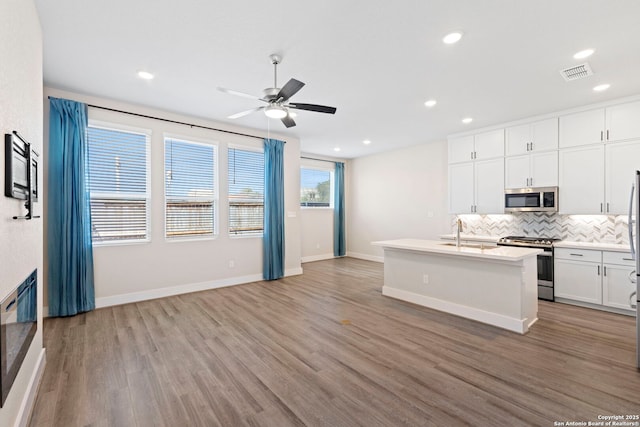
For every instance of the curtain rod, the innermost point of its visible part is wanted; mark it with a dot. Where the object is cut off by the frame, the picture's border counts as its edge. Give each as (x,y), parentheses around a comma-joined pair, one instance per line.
(320,160)
(173,121)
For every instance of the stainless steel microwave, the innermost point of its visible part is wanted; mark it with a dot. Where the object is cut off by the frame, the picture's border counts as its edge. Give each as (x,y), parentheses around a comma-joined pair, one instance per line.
(540,199)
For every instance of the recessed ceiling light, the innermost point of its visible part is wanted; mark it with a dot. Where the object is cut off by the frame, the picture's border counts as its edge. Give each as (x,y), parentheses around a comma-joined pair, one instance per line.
(602,87)
(452,38)
(430,103)
(366,142)
(336,149)
(583,54)
(145,75)
(467,120)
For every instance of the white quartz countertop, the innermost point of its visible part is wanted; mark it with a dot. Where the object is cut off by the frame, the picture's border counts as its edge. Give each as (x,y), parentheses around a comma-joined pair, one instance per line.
(471,237)
(502,253)
(592,245)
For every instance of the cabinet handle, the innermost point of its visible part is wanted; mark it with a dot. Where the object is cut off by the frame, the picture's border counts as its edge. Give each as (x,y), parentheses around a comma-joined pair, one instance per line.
(607,134)
(601,136)
(531,147)
(607,206)
(471,153)
(628,259)
(605,270)
(578,255)
(598,270)
(601,208)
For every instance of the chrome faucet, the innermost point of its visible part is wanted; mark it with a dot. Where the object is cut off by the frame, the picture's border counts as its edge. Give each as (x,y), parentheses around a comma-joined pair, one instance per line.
(459,225)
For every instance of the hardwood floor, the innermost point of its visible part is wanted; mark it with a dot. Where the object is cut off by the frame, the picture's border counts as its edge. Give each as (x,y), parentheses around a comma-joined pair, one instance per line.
(326,348)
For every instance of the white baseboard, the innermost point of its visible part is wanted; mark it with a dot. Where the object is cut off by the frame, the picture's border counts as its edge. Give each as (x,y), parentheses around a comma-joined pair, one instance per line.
(178,290)
(313,258)
(292,272)
(520,326)
(365,257)
(29,400)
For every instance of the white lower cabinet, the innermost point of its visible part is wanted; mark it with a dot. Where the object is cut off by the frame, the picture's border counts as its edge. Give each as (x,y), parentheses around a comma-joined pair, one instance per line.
(578,280)
(616,286)
(618,272)
(593,276)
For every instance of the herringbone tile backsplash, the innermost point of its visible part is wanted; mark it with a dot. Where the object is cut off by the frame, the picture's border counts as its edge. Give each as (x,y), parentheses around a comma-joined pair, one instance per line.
(576,228)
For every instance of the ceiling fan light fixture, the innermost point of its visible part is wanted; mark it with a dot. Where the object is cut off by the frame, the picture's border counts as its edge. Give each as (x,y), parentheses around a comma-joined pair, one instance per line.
(275,112)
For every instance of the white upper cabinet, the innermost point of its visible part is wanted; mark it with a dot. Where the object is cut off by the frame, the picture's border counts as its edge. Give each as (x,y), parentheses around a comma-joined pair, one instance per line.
(582,128)
(531,170)
(461,188)
(489,186)
(615,123)
(623,121)
(477,187)
(486,145)
(461,149)
(516,171)
(581,180)
(489,145)
(543,169)
(622,160)
(532,137)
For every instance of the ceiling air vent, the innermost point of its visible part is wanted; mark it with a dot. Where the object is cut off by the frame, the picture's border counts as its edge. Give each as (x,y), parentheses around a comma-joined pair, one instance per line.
(577,72)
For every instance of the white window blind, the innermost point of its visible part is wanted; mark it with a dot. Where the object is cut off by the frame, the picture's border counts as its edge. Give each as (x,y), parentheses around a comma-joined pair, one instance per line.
(190,190)
(246,191)
(315,187)
(118,184)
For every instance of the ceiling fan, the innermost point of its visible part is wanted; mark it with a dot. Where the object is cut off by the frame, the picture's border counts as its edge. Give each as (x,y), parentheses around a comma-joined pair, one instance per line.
(277,99)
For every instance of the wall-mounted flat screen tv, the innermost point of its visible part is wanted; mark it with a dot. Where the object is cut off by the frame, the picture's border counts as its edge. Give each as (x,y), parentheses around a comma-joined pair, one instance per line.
(20,177)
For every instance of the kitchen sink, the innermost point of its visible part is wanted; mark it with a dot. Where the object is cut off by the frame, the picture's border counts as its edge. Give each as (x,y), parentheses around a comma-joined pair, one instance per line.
(472,245)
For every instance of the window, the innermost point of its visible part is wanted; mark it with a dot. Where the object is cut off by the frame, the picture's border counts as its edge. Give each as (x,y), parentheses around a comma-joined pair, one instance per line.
(118,179)
(246,191)
(190,190)
(316,187)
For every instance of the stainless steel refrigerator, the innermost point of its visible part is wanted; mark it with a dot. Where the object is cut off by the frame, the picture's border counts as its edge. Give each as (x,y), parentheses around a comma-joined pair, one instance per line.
(634,237)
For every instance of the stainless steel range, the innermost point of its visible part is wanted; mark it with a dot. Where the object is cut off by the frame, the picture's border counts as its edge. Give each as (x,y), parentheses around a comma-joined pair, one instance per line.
(545,260)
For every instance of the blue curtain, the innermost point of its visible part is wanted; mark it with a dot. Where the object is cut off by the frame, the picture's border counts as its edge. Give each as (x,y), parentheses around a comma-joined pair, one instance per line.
(273,240)
(70,272)
(339,244)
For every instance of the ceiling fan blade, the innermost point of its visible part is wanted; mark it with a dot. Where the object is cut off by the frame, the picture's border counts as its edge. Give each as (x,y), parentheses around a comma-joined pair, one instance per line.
(313,107)
(244,113)
(289,89)
(288,121)
(242,94)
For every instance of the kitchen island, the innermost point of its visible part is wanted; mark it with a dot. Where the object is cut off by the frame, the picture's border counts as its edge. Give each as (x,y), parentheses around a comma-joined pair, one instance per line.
(491,284)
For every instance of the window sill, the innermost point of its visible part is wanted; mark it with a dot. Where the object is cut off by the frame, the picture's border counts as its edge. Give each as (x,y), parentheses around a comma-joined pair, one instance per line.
(120,243)
(190,239)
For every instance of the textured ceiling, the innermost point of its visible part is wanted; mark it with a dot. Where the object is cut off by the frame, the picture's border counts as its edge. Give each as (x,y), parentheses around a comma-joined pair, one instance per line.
(376,61)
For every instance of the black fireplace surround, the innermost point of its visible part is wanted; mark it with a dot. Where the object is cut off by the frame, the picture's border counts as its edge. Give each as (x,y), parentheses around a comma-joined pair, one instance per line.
(18,325)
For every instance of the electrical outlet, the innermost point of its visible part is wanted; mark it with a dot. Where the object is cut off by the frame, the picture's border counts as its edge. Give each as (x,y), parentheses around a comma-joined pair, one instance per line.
(425,279)
(232,263)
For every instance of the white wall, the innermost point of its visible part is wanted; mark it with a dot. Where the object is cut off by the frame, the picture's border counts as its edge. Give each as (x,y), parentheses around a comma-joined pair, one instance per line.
(21,241)
(125,273)
(396,194)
